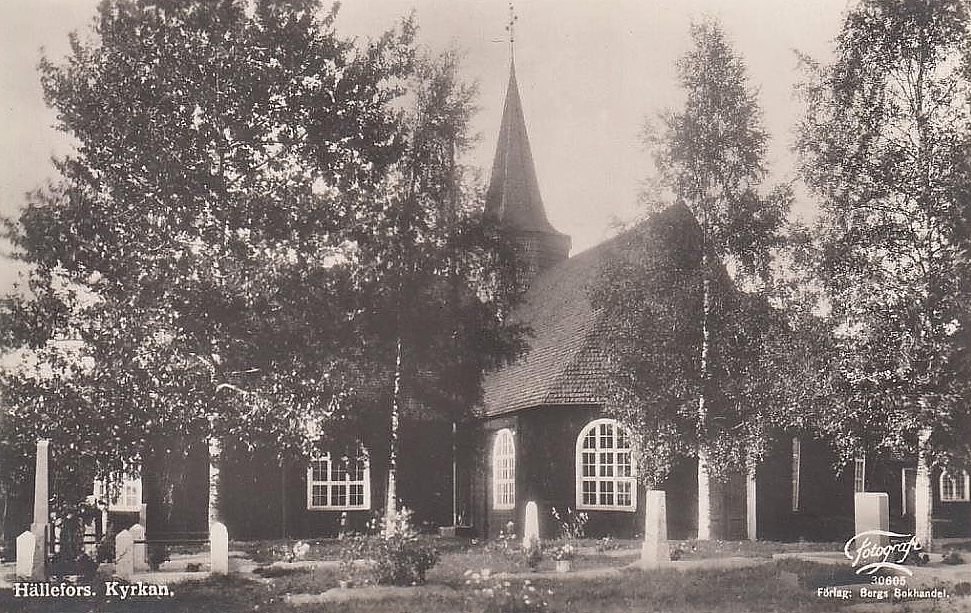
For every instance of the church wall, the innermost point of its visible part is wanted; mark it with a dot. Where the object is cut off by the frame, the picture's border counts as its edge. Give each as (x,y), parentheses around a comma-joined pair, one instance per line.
(264,498)
(546,474)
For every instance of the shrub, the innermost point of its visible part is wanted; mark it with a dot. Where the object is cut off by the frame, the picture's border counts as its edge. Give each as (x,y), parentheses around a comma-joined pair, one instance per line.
(573,526)
(564,552)
(401,560)
(606,544)
(395,558)
(533,554)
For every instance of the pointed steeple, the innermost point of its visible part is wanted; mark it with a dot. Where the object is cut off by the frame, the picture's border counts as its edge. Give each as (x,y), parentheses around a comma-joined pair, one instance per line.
(513,196)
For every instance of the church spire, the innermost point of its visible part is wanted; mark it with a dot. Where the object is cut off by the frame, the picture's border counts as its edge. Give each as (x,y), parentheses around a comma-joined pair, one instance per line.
(513,196)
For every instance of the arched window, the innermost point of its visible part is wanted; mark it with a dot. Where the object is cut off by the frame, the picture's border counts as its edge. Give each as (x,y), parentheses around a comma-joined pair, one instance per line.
(605,468)
(504,470)
(339,482)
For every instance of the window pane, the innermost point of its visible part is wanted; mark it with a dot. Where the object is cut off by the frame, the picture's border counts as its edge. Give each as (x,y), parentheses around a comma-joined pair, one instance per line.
(319,470)
(590,440)
(607,492)
(606,436)
(319,496)
(623,493)
(589,492)
(606,465)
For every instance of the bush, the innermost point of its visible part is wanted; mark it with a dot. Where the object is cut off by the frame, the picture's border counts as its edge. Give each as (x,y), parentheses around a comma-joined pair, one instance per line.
(401,560)
(398,558)
(533,554)
(573,525)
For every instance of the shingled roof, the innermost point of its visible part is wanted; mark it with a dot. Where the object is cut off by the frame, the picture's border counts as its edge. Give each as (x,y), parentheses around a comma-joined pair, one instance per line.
(562,365)
(565,361)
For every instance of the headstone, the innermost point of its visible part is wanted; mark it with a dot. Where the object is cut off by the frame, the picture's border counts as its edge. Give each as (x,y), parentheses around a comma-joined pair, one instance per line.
(124,555)
(219,549)
(531,525)
(140,559)
(872,512)
(655,550)
(26,550)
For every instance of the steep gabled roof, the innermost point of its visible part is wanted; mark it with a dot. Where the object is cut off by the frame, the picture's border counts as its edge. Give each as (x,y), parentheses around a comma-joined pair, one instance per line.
(565,361)
(562,365)
(513,196)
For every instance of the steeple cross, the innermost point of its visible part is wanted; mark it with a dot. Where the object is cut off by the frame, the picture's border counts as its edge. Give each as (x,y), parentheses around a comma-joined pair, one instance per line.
(511,27)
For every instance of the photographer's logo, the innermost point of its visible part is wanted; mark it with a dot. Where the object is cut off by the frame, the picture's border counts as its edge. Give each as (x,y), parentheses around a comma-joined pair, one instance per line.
(873,550)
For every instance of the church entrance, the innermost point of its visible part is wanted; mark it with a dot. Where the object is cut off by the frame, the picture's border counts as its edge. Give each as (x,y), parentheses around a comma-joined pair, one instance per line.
(728,508)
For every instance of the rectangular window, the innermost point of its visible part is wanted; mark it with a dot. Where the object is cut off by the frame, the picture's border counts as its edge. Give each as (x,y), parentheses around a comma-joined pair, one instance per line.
(859,474)
(796,459)
(954,488)
(339,483)
(127,499)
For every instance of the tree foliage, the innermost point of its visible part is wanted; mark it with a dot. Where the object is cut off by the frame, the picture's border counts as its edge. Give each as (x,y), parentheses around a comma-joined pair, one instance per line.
(225,246)
(684,335)
(884,146)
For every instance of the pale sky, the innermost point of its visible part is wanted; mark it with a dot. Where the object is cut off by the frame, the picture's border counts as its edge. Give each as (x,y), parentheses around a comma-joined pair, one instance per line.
(590,72)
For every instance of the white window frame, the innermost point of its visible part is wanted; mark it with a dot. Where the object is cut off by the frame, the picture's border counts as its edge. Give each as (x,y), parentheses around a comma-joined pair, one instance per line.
(332,480)
(600,468)
(953,482)
(796,466)
(859,474)
(504,470)
(131,490)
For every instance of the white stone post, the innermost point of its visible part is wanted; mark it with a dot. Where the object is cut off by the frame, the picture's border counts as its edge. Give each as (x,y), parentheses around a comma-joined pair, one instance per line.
(751,503)
(139,550)
(42,483)
(124,555)
(26,552)
(41,524)
(704,497)
(923,505)
(531,525)
(655,550)
(218,549)
(871,511)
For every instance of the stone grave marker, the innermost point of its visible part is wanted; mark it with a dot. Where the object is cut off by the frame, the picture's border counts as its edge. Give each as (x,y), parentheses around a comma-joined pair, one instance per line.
(124,555)
(655,550)
(139,550)
(531,525)
(25,554)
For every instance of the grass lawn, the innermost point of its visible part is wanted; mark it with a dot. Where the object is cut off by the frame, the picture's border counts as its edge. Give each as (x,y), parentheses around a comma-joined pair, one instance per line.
(781,585)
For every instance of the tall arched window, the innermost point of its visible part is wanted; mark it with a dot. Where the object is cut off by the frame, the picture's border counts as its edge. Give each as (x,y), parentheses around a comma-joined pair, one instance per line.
(504,470)
(605,468)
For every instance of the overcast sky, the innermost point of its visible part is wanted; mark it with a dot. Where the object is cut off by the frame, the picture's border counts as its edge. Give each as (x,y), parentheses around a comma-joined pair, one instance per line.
(590,72)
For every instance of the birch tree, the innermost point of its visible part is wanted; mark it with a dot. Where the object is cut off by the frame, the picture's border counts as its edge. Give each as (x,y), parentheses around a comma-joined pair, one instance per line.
(710,155)
(884,146)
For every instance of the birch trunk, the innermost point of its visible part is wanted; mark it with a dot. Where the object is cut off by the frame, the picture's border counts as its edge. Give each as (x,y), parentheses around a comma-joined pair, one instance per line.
(391,507)
(923,492)
(704,480)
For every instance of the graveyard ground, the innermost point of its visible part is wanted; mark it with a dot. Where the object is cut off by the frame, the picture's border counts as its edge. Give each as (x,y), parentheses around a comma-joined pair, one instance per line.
(713,576)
